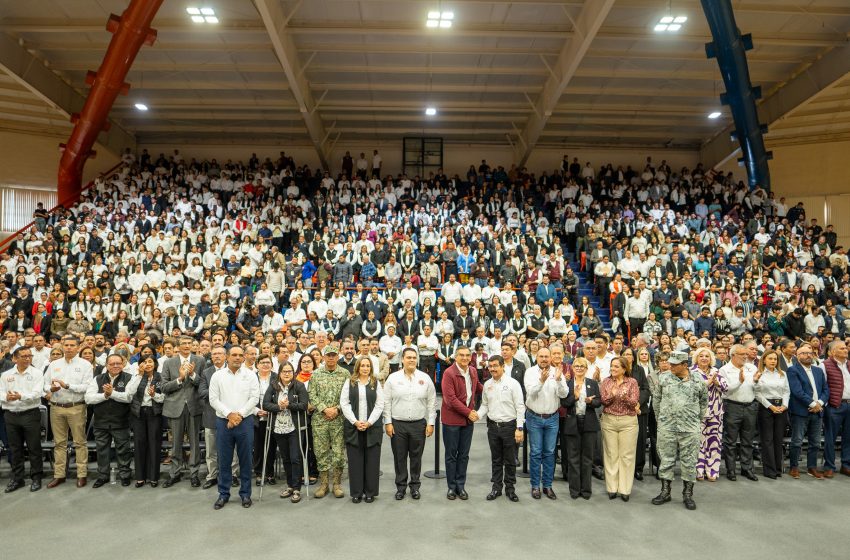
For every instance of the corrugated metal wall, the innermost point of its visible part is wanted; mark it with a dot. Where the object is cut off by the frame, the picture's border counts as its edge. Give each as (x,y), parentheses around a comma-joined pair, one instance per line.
(18,203)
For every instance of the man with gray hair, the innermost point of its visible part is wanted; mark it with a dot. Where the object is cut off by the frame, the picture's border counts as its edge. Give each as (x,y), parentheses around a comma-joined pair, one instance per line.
(740,410)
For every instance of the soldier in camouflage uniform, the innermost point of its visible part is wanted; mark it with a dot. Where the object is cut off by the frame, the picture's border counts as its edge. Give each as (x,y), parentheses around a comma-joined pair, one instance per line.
(328,442)
(680,401)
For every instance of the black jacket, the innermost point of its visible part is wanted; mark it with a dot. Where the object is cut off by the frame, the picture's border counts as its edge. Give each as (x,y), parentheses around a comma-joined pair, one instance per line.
(296,393)
(136,403)
(591,422)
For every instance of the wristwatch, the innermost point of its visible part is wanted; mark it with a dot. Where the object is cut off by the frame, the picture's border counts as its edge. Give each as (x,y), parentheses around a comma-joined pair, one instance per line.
(519,428)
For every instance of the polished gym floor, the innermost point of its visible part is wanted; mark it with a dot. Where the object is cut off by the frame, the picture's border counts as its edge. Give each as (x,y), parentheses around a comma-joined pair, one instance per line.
(788,518)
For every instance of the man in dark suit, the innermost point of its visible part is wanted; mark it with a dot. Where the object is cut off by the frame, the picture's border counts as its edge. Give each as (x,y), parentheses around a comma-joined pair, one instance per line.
(580,429)
(219,360)
(463,320)
(809,394)
(181,376)
(512,367)
(676,266)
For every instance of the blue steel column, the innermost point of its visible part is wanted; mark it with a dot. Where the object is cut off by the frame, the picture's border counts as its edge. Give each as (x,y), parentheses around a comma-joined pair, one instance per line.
(729,47)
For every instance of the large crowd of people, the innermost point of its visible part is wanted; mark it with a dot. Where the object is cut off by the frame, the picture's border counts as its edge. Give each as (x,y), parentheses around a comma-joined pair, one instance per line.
(250,311)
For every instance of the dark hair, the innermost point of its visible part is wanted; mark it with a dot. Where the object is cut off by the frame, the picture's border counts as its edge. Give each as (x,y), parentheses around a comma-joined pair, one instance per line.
(496,358)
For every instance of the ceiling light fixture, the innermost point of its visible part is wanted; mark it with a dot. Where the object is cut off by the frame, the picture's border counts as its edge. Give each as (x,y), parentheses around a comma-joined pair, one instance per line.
(430,111)
(443,20)
(202,15)
(714,114)
(141,107)
(670,23)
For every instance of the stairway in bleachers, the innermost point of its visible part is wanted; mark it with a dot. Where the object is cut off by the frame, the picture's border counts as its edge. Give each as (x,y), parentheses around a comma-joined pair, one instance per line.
(585,288)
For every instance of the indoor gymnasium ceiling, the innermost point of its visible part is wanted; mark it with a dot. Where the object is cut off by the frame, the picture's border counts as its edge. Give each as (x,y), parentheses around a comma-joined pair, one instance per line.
(526,72)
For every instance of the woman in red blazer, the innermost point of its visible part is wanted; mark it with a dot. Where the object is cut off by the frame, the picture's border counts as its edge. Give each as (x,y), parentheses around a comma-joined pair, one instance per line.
(458,418)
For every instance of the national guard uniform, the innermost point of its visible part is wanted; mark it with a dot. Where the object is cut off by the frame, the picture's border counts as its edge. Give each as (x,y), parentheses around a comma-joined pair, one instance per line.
(328,441)
(680,404)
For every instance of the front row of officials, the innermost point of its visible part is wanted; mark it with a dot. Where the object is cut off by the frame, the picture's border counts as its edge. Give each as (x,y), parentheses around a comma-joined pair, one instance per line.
(353,410)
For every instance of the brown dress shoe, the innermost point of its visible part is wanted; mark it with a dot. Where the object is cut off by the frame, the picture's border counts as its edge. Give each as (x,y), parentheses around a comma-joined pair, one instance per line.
(82,481)
(56,482)
(828,473)
(845,471)
(794,472)
(815,473)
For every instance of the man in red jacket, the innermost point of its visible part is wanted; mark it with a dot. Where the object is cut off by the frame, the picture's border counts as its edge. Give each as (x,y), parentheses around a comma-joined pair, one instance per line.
(836,421)
(460,385)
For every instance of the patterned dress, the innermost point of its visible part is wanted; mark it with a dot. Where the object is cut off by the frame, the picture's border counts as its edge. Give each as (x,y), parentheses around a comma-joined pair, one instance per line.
(708,465)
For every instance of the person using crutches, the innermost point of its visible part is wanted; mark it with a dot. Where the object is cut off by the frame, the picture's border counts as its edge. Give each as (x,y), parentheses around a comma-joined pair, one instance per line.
(286,399)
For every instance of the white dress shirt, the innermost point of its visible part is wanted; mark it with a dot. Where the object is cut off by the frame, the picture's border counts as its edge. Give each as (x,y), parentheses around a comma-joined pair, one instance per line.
(543,398)
(742,393)
(581,405)
(234,392)
(95,396)
(846,375)
(29,383)
(501,401)
(410,398)
(363,414)
(815,397)
(76,373)
(772,385)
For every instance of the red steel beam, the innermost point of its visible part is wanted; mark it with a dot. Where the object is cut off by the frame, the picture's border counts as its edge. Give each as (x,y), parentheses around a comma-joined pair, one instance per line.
(130,32)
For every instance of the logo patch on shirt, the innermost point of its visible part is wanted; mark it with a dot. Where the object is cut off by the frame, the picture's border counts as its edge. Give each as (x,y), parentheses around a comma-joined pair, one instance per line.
(421,382)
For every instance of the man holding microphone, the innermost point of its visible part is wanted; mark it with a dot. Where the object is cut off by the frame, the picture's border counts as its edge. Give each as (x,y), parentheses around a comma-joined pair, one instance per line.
(545,387)
(504,408)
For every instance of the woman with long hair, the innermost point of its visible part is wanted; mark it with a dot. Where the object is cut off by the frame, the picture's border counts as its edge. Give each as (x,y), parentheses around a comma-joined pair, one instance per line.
(708,464)
(286,398)
(773,394)
(620,401)
(146,410)
(264,373)
(306,367)
(362,403)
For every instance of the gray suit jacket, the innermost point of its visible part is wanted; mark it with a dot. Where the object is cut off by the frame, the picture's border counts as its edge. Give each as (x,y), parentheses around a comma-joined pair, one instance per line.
(178,395)
(204,396)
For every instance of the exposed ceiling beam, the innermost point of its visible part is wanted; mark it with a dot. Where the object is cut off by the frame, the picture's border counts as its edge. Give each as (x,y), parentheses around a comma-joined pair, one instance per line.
(798,91)
(32,74)
(275,22)
(587,24)
(793,8)
(779,39)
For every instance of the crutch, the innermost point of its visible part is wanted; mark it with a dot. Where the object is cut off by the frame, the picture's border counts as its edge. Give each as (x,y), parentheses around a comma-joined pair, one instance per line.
(266,441)
(305,450)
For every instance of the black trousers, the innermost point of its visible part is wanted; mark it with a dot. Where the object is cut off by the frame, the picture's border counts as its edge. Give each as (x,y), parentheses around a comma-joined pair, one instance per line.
(457,440)
(104,437)
(307,439)
(24,429)
(408,444)
(364,467)
(503,449)
(739,421)
(772,431)
(290,454)
(635,327)
(147,442)
(652,434)
(562,448)
(259,442)
(640,453)
(580,450)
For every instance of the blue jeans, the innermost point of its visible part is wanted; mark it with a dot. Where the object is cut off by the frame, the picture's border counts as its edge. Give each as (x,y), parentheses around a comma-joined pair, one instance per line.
(542,437)
(836,423)
(809,425)
(240,437)
(457,440)
(481,282)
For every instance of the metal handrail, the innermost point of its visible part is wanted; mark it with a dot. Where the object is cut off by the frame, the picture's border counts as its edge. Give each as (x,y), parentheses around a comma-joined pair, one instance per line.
(4,245)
